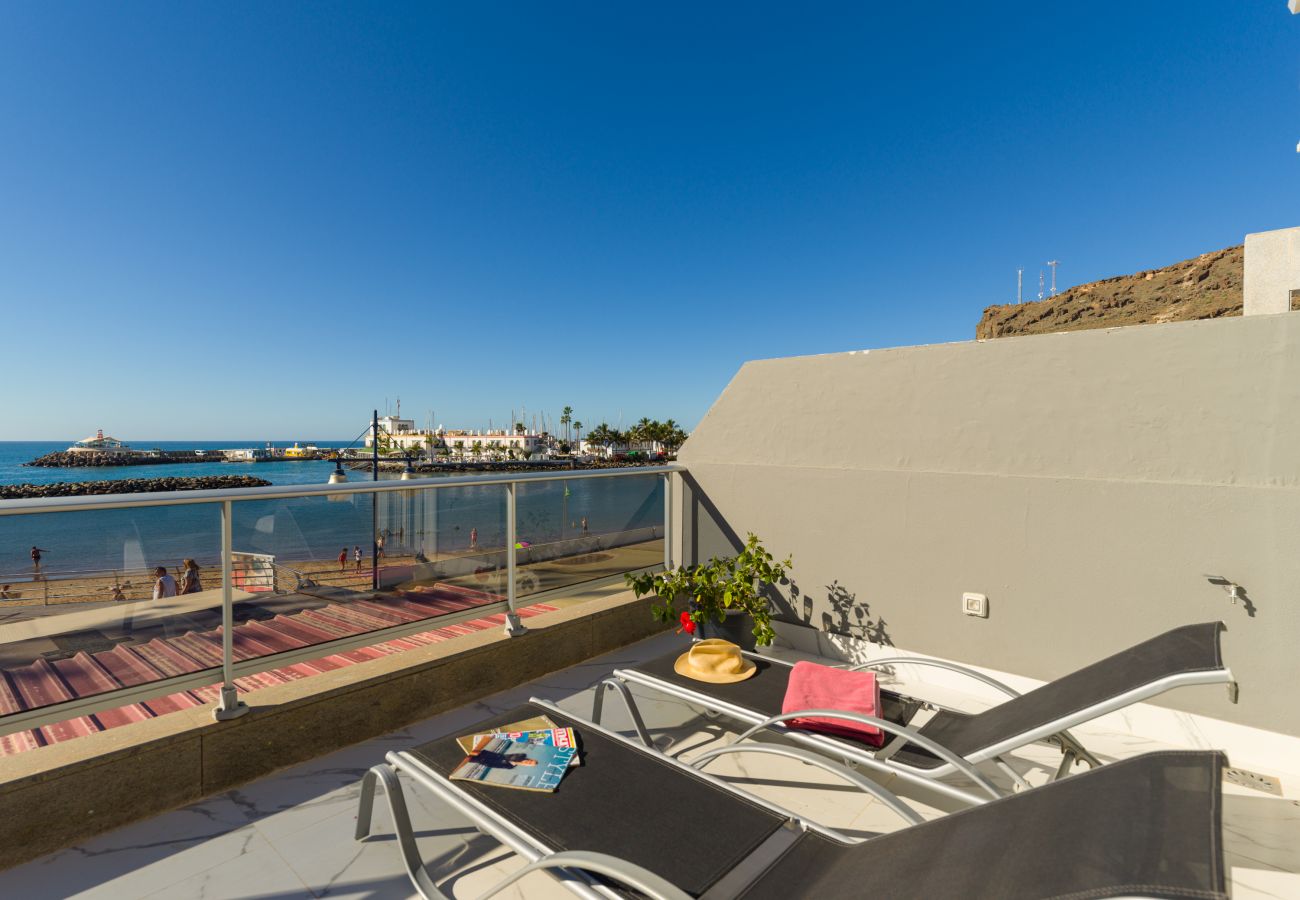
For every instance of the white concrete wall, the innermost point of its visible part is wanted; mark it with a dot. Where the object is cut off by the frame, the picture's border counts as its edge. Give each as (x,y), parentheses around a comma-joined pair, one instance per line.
(1272,271)
(1086,482)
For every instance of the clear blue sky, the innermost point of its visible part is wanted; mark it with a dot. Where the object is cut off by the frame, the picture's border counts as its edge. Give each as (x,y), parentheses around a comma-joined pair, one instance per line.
(257,220)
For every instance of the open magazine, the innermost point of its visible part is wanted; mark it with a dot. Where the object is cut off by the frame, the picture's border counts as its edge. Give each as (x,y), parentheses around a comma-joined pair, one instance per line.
(525,765)
(537,730)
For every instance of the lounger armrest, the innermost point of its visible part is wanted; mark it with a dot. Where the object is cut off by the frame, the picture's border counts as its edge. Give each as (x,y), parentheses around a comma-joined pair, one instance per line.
(938,664)
(620,870)
(889,798)
(913,737)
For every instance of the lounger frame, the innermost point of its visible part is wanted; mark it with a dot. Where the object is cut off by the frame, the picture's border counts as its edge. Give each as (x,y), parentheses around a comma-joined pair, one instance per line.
(1056,731)
(569,868)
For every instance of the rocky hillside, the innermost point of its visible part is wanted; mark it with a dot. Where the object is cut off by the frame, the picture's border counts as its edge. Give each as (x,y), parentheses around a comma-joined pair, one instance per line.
(1206,287)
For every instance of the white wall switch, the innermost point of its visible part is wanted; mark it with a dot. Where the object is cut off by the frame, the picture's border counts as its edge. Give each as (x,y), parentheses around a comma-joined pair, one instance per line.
(975,605)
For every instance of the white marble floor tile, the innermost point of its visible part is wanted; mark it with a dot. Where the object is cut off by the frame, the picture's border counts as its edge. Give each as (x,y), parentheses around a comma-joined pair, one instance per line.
(257,872)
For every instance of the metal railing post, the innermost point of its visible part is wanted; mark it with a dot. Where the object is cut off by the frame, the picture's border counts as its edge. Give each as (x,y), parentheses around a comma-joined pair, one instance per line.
(514,627)
(668,521)
(230,706)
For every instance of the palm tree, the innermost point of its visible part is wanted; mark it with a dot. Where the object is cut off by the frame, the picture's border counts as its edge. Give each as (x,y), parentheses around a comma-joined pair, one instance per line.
(520,428)
(577,426)
(566,416)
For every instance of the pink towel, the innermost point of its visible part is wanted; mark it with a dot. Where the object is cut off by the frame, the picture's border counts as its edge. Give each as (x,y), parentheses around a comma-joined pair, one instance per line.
(821,687)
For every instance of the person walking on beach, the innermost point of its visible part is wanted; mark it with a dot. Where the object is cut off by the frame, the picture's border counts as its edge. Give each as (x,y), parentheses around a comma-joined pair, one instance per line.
(343,559)
(4,592)
(379,547)
(164,585)
(584,524)
(356,554)
(190,583)
(36,558)
(473,539)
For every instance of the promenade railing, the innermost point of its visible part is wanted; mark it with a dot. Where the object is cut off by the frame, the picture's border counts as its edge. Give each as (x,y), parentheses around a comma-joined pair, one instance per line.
(297,579)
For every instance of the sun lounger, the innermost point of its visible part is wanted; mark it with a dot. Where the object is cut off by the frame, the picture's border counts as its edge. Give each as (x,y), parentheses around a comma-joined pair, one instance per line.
(631,818)
(951,742)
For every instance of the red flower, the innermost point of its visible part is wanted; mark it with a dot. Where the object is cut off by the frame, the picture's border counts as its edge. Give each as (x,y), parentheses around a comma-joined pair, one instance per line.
(689,627)
(684,618)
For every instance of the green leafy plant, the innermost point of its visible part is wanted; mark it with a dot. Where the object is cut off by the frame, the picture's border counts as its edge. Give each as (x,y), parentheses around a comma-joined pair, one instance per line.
(710,589)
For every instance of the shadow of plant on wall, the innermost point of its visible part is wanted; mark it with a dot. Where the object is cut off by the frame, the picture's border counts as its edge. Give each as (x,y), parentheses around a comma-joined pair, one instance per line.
(846,615)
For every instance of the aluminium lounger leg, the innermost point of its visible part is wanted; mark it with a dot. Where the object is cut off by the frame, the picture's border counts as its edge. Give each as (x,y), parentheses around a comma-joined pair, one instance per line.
(415,870)
(598,707)
(1017,780)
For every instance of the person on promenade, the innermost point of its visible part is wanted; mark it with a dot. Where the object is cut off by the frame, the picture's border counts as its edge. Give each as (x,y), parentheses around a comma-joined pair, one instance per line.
(164,585)
(356,554)
(473,539)
(379,547)
(190,583)
(36,558)
(343,559)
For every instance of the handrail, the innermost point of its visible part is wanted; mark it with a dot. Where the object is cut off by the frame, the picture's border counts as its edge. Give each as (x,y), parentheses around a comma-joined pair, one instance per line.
(938,664)
(28,506)
(866,785)
(913,737)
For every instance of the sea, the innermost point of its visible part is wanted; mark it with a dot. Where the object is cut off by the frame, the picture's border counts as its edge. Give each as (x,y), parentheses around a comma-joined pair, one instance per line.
(308,528)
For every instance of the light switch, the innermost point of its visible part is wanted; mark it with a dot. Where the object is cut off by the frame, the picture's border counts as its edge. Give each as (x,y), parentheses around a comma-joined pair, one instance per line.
(975,605)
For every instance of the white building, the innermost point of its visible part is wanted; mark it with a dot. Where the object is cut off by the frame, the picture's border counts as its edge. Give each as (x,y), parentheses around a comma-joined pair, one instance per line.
(100,443)
(405,438)
(396,427)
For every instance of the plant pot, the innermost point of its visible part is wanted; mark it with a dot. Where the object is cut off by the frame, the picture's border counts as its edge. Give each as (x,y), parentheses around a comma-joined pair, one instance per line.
(738,628)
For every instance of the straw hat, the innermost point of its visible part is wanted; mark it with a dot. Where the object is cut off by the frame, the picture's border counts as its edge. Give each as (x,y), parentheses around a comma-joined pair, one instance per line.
(714,661)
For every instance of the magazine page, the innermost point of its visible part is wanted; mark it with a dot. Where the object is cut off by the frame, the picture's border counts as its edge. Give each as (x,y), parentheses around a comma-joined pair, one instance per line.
(550,735)
(499,761)
(536,723)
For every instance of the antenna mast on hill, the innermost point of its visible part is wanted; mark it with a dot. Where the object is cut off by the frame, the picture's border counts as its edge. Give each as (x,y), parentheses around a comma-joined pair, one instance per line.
(1040,284)
(1020,285)
(1053,263)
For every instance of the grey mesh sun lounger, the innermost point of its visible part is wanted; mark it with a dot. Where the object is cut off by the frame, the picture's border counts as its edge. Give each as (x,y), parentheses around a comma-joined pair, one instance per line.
(631,820)
(951,742)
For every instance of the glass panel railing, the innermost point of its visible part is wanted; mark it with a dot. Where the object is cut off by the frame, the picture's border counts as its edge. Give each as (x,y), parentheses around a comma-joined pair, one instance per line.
(350,564)
(583,530)
(102,602)
(409,566)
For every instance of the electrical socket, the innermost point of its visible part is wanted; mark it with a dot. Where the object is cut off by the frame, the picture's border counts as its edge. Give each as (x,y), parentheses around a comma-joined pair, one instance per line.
(975,605)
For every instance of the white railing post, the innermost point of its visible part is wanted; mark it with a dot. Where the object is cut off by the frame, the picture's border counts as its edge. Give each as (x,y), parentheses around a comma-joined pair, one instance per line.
(668,521)
(230,706)
(514,627)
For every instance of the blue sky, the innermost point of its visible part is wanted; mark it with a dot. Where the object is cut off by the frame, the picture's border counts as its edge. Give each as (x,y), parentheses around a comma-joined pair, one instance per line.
(261,220)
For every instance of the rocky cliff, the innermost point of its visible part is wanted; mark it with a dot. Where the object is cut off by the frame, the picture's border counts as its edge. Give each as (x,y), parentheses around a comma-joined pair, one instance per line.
(1205,287)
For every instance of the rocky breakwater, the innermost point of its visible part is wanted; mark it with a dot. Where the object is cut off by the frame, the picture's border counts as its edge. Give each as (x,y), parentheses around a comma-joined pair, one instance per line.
(65,460)
(127,486)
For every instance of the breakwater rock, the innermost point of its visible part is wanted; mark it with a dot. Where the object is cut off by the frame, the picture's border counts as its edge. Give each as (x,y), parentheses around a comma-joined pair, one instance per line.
(66,460)
(127,486)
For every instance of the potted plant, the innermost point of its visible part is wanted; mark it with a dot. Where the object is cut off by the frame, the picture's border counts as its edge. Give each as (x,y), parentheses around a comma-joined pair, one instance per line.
(723,595)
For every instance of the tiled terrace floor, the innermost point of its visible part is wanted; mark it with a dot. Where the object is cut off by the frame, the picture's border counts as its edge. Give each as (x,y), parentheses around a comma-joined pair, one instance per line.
(290,835)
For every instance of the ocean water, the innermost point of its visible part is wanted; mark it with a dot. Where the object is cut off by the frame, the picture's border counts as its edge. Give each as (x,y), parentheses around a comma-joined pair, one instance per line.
(300,529)
(14,453)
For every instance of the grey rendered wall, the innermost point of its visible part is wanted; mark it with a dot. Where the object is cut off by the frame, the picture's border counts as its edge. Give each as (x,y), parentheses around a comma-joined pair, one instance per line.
(1088,483)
